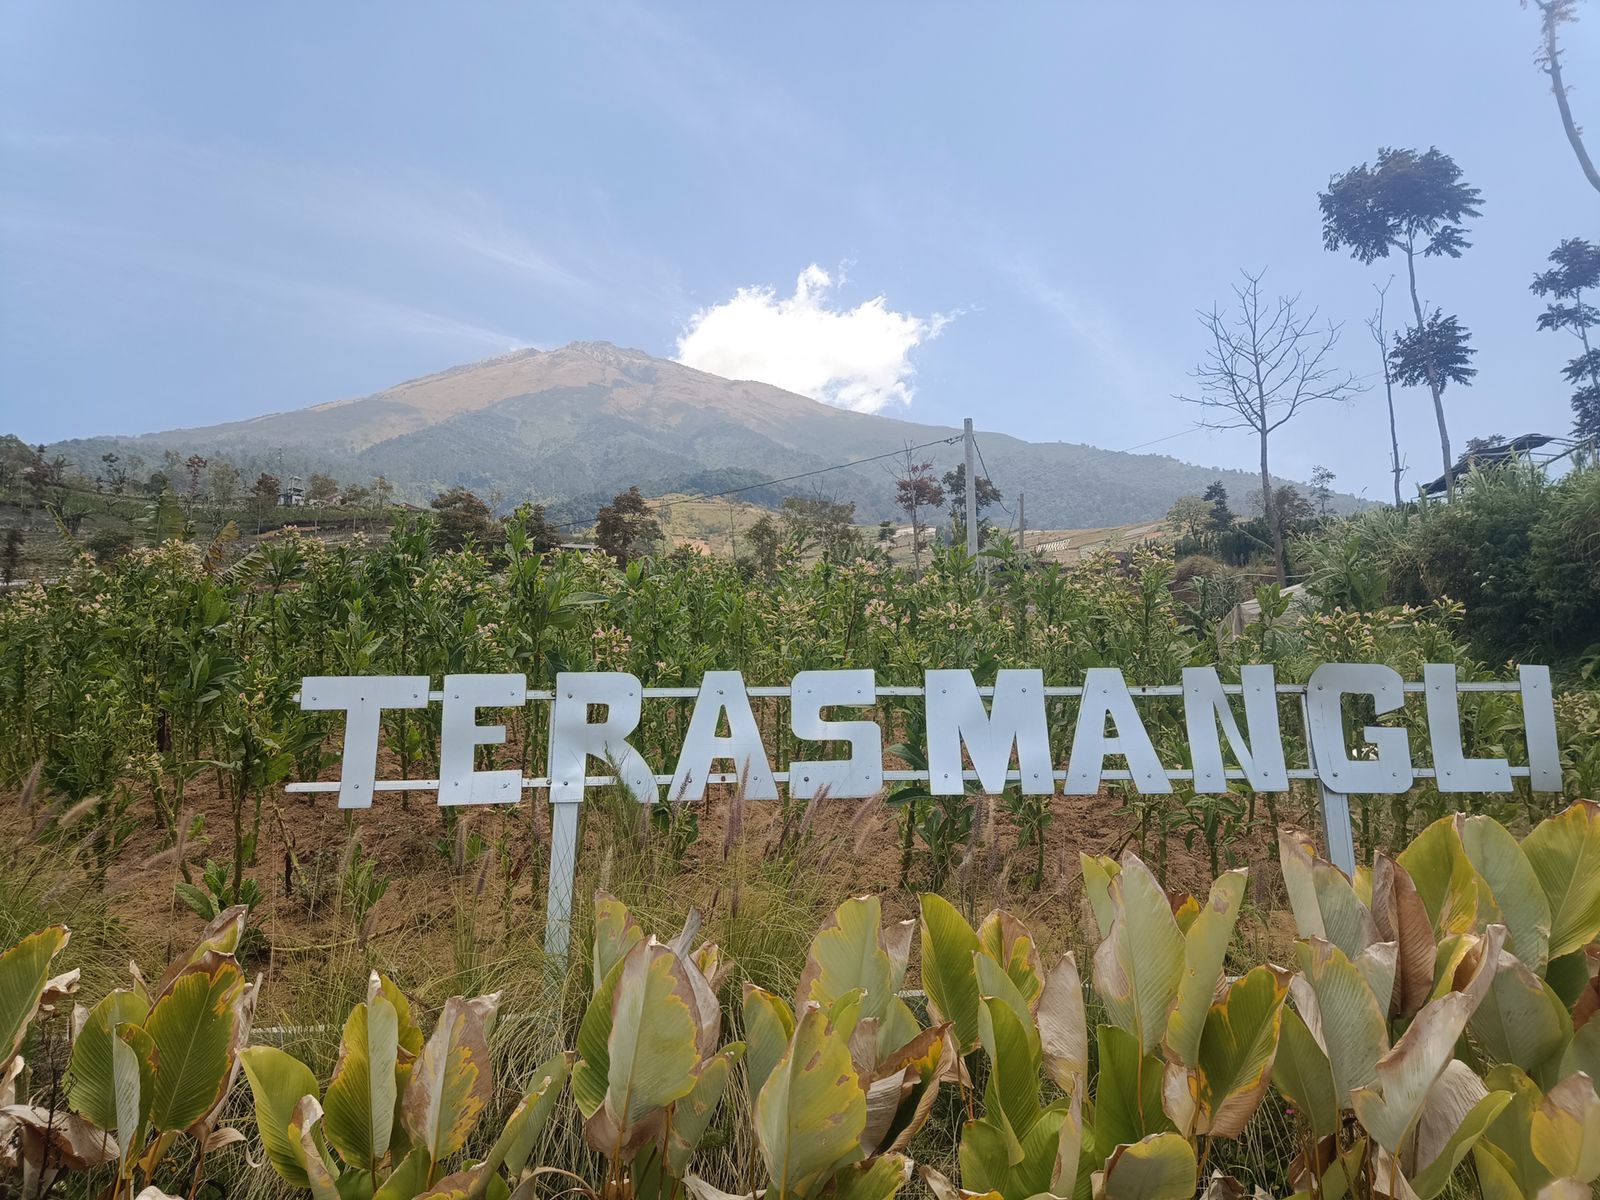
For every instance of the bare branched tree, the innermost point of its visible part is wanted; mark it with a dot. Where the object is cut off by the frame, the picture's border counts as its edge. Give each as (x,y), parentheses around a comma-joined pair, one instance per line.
(1266,362)
(1375,325)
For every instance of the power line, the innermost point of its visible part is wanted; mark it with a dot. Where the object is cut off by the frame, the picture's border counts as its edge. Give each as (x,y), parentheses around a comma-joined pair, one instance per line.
(976,445)
(751,487)
(1153,441)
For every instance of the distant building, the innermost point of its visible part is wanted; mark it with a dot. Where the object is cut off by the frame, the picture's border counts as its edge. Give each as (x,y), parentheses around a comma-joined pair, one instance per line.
(293,494)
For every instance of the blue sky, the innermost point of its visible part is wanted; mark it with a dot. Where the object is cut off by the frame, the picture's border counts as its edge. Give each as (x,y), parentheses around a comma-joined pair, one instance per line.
(211,211)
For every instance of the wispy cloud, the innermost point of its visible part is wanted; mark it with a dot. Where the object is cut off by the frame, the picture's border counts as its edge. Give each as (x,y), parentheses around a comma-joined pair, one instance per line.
(337,309)
(265,228)
(1088,325)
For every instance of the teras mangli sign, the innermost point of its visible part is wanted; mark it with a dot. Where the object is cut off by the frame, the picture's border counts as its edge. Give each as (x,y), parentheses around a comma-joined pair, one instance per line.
(1003,728)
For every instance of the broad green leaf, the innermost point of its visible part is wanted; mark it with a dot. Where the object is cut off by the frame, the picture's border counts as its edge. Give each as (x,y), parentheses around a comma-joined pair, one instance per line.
(691,1116)
(517,1139)
(91,1074)
(615,933)
(1511,1133)
(409,1178)
(985,1160)
(1497,857)
(1064,1028)
(810,1114)
(1159,1167)
(1495,1177)
(358,1110)
(995,985)
(1098,872)
(948,975)
(1205,946)
(1007,941)
(1457,1112)
(1044,1158)
(846,954)
(1520,1020)
(652,1050)
(410,1033)
(1565,1130)
(1445,878)
(132,1081)
(24,970)
(1348,1023)
(768,1026)
(1583,1052)
(452,1081)
(1347,920)
(192,1029)
(1236,1052)
(1139,965)
(1568,975)
(279,1081)
(1048,1154)
(1128,1092)
(1011,1097)
(592,1071)
(1302,1072)
(1564,851)
(880,1179)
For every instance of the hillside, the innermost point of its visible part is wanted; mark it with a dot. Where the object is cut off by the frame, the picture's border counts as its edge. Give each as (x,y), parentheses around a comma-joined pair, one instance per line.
(571,427)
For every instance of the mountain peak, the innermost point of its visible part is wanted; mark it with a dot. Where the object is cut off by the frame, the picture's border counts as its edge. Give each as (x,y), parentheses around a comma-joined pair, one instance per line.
(609,354)
(572,426)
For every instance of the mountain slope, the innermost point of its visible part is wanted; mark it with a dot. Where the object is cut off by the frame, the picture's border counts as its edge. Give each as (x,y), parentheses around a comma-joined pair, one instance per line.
(571,427)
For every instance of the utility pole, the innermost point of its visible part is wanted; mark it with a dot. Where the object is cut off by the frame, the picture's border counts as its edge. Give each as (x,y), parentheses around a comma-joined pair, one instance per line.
(968,444)
(1022,524)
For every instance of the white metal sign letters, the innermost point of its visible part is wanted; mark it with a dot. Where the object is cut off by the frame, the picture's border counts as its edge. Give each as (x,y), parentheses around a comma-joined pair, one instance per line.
(1002,729)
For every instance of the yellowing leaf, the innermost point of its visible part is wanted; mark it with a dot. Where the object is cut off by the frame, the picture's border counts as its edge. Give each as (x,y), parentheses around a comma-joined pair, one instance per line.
(652,1050)
(1098,872)
(1205,946)
(848,953)
(1565,1132)
(191,1028)
(1159,1167)
(24,970)
(452,1081)
(1564,851)
(1236,1052)
(810,1114)
(1445,878)
(1138,967)
(768,1026)
(358,1110)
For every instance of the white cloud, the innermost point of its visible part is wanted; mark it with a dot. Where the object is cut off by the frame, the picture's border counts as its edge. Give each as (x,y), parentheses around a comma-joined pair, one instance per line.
(857,358)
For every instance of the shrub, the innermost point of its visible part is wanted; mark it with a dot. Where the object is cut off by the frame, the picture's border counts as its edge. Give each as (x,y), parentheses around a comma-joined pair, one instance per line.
(1440,1006)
